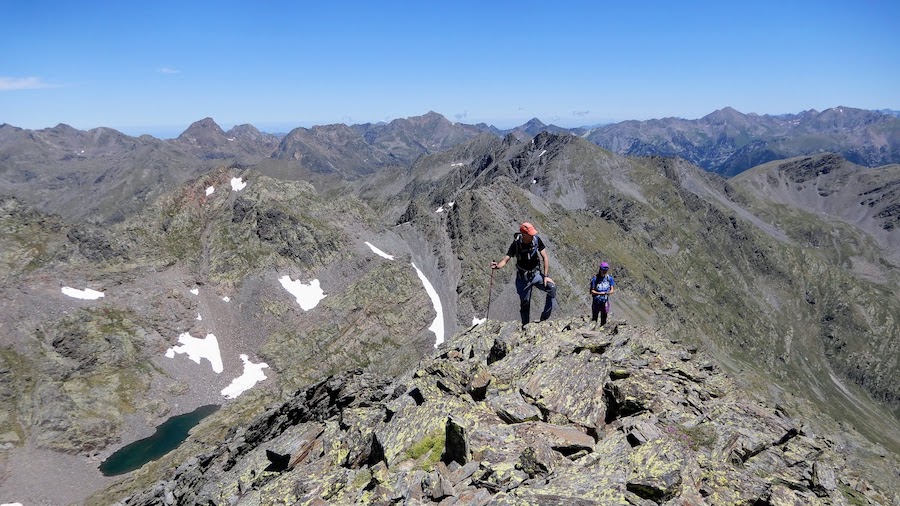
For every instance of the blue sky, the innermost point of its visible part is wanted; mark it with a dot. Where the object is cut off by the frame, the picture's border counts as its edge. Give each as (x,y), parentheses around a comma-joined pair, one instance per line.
(156,67)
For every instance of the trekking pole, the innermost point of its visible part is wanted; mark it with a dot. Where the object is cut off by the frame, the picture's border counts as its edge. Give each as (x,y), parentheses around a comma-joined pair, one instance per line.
(490,289)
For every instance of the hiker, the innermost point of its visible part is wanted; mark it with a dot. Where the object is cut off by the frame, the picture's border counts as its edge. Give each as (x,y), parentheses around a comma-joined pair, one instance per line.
(602,286)
(530,253)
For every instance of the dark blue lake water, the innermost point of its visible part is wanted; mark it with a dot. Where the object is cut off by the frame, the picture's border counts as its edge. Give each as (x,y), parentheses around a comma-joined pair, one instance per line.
(167,437)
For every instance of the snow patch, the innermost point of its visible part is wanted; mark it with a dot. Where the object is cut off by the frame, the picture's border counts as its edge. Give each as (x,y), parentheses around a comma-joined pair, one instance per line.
(379,252)
(237,184)
(252,375)
(478,321)
(542,153)
(308,295)
(459,164)
(226,298)
(198,349)
(437,326)
(199,318)
(195,291)
(86,294)
(210,190)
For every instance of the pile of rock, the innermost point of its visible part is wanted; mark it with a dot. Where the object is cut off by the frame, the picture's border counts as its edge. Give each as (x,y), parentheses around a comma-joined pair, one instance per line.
(554,414)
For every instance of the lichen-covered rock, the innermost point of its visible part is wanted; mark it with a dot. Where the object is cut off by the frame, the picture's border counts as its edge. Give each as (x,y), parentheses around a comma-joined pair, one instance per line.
(556,426)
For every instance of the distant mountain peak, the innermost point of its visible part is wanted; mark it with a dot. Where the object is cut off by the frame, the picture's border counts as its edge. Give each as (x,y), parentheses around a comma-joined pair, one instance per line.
(245,129)
(204,125)
(726,113)
(203,131)
(64,128)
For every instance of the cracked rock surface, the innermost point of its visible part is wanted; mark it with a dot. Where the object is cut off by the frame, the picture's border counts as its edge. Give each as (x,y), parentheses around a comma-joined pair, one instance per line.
(563,415)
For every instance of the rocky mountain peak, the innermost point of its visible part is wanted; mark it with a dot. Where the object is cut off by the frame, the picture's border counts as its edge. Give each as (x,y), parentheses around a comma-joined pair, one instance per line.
(429,117)
(64,129)
(727,114)
(533,127)
(244,130)
(839,118)
(554,414)
(205,128)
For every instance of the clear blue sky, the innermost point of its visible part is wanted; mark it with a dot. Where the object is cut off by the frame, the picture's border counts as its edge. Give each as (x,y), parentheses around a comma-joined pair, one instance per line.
(156,67)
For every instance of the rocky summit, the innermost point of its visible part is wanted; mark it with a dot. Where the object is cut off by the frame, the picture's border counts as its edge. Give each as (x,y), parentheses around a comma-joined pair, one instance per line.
(557,413)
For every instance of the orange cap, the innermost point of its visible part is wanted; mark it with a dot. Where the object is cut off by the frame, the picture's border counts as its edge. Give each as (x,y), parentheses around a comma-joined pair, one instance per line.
(528,228)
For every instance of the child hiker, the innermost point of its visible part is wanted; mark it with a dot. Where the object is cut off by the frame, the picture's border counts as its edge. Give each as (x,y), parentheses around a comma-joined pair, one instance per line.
(602,286)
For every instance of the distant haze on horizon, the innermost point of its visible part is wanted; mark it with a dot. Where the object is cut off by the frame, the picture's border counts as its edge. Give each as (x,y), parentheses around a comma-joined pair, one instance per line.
(156,68)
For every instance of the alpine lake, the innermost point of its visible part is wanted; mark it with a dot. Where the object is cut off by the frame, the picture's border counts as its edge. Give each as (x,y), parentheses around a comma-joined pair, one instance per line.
(167,437)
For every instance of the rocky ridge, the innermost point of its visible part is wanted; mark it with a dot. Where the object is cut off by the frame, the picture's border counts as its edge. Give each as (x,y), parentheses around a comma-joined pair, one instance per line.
(664,224)
(554,414)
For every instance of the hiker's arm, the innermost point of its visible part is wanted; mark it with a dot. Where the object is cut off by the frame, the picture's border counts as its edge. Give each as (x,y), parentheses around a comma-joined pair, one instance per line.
(500,264)
(612,288)
(547,278)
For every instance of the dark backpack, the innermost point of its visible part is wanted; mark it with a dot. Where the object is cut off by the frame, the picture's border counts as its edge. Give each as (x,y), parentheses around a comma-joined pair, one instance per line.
(521,252)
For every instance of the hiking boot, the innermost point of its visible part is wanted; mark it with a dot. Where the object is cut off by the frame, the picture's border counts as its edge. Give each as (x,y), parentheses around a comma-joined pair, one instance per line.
(600,328)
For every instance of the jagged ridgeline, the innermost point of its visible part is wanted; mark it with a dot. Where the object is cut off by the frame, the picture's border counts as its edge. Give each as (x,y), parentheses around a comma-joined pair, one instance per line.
(553,415)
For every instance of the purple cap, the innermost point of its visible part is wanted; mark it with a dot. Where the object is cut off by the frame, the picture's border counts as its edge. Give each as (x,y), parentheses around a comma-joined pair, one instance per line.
(604,266)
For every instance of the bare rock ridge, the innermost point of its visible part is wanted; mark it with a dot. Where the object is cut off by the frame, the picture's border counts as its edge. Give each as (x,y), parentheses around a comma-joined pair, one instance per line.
(555,414)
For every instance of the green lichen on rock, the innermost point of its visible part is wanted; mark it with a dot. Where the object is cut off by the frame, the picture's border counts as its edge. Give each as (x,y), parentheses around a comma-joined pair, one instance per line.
(95,374)
(658,434)
(430,447)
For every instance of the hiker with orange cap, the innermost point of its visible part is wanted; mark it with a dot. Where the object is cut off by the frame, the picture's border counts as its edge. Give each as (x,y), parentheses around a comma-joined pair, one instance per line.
(530,254)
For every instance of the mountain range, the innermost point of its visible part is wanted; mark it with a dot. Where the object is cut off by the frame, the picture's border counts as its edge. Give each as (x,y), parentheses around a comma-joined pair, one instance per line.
(784,274)
(51,161)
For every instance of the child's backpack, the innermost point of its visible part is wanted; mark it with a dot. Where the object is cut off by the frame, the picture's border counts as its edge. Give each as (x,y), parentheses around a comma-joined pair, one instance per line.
(599,282)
